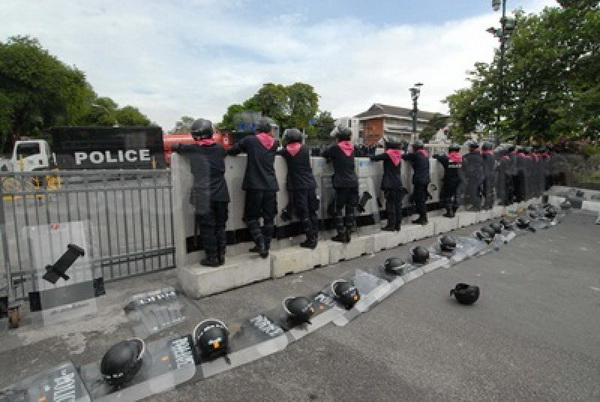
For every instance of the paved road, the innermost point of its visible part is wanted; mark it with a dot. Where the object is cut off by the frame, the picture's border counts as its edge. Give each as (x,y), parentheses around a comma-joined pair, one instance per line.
(533,335)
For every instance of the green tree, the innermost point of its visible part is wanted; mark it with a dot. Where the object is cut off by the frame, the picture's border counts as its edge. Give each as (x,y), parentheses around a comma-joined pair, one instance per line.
(289,106)
(325,123)
(183,125)
(437,122)
(131,116)
(37,90)
(550,87)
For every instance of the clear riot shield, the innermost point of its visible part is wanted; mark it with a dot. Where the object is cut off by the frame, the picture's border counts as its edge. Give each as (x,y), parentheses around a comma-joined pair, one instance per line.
(166,363)
(153,311)
(327,207)
(60,383)
(67,282)
(372,290)
(538,224)
(252,339)
(468,247)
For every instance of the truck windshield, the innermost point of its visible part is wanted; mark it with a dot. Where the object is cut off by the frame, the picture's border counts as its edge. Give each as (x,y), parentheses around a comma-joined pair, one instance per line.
(25,150)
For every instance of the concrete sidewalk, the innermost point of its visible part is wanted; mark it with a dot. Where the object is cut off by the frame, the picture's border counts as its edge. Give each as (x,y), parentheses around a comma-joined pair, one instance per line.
(534,334)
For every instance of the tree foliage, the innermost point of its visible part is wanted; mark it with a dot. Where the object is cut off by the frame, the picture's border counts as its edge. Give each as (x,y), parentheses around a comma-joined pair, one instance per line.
(437,122)
(550,87)
(183,125)
(38,91)
(289,106)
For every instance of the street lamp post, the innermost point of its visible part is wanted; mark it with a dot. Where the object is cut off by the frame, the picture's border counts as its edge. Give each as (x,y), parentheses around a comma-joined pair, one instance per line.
(506,26)
(415,91)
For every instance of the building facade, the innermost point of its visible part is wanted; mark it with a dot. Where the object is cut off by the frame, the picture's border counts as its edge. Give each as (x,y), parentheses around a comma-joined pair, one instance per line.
(389,121)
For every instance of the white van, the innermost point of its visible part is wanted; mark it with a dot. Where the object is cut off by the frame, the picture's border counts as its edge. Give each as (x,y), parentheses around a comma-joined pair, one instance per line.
(30,155)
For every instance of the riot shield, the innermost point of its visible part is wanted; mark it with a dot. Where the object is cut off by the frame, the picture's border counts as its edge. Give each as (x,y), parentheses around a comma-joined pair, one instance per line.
(253,338)
(468,247)
(166,363)
(372,290)
(67,282)
(153,311)
(60,383)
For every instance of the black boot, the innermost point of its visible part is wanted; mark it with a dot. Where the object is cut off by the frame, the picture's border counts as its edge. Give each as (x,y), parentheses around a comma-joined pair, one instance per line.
(210,261)
(311,242)
(391,223)
(449,213)
(421,220)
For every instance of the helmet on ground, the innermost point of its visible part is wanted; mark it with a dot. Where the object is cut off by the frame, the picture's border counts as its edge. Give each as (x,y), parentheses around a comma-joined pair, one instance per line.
(497,227)
(263,125)
(532,207)
(565,205)
(447,243)
(534,214)
(484,236)
(454,148)
(487,146)
(341,133)
(345,292)
(396,266)
(551,212)
(419,254)
(390,142)
(122,361)
(465,293)
(489,231)
(202,128)
(523,222)
(292,135)
(211,338)
(507,223)
(418,144)
(299,309)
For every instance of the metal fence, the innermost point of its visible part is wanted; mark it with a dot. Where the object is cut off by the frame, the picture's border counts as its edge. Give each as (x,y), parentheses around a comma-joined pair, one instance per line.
(127,215)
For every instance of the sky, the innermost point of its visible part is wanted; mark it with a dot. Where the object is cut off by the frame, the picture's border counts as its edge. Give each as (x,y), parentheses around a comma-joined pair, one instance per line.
(174,58)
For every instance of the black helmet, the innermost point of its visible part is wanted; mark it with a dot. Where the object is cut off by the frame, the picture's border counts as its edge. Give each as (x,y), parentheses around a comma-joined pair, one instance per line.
(390,142)
(507,223)
(202,128)
(342,133)
(523,222)
(473,144)
(486,146)
(263,125)
(396,266)
(454,148)
(491,232)
(565,205)
(534,214)
(465,293)
(212,338)
(497,227)
(532,207)
(345,292)
(551,211)
(299,309)
(122,361)
(447,243)
(484,236)
(419,254)
(292,135)
(418,144)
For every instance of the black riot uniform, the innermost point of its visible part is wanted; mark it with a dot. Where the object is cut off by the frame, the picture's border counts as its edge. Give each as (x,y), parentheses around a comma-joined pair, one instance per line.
(419,159)
(209,194)
(260,184)
(473,171)
(489,174)
(301,185)
(391,183)
(502,176)
(344,182)
(453,177)
(512,175)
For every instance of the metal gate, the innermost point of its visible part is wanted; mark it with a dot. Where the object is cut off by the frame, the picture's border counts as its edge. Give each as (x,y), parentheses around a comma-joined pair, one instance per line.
(127,215)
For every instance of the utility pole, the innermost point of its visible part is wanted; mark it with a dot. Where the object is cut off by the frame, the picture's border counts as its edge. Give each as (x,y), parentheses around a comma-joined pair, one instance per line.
(415,91)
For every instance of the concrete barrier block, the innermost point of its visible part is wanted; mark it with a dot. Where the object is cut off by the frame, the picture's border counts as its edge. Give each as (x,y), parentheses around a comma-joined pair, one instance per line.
(410,233)
(498,211)
(298,259)
(442,224)
(483,216)
(357,247)
(386,240)
(466,218)
(591,206)
(198,281)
